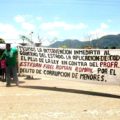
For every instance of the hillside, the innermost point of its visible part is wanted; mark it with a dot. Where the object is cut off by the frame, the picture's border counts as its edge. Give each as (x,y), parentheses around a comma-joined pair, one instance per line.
(108,41)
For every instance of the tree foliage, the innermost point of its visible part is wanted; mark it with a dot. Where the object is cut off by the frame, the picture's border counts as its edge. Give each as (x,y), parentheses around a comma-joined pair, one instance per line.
(108,41)
(24,38)
(2,40)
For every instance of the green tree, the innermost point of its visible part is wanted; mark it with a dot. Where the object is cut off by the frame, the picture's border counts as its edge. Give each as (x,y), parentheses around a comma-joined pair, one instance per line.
(24,38)
(63,46)
(2,40)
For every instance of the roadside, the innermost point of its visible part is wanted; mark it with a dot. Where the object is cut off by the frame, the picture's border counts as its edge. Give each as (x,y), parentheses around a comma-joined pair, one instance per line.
(51,99)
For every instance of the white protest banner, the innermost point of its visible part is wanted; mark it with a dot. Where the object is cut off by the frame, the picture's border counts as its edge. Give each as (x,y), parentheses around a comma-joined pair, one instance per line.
(88,65)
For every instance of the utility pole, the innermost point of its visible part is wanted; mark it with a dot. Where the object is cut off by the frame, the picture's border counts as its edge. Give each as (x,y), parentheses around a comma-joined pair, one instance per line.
(31,36)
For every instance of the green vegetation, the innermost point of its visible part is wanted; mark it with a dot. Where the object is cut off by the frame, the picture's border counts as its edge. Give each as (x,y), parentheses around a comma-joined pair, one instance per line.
(107,42)
(2,40)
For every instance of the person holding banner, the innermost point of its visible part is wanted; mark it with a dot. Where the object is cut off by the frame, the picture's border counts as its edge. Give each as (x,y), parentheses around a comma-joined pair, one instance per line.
(10,55)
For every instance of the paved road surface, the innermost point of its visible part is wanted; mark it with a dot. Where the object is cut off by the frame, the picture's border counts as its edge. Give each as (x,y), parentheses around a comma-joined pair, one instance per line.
(45,99)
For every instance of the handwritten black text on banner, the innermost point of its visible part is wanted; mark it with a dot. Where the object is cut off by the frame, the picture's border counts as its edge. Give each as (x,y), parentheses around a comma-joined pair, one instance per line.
(81,64)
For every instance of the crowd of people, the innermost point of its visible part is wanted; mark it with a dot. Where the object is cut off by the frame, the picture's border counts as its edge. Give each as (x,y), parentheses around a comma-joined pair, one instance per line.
(8,65)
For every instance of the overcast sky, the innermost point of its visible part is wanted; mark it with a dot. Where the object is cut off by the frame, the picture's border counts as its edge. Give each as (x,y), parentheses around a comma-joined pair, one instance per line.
(56,20)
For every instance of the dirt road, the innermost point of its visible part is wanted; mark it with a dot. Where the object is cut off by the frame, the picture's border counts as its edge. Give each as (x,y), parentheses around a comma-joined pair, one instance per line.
(47,99)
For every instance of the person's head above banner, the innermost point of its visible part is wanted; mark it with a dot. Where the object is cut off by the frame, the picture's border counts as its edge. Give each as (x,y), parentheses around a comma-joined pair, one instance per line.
(8,46)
